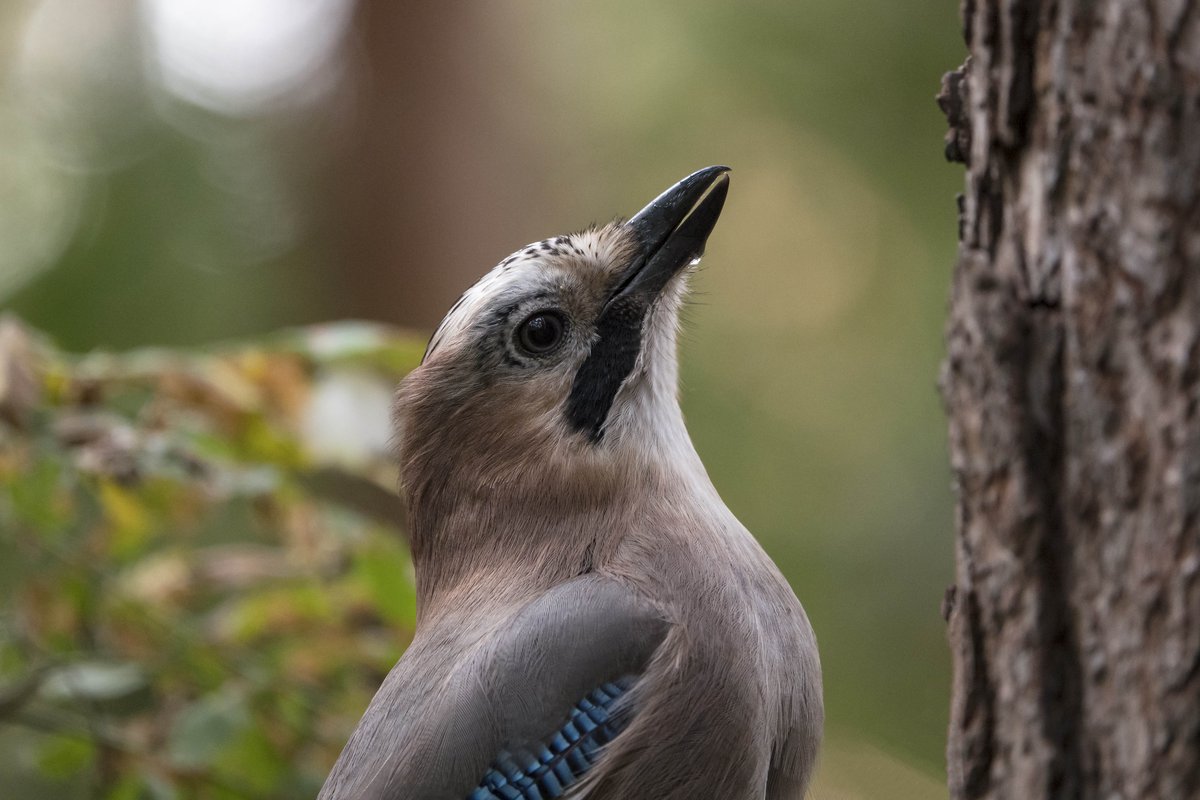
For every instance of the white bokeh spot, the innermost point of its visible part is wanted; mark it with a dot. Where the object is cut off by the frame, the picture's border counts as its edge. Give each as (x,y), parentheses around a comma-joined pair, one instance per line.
(237,56)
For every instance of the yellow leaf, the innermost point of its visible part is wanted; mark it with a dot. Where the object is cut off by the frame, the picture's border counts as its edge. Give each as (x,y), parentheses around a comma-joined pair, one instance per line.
(122,508)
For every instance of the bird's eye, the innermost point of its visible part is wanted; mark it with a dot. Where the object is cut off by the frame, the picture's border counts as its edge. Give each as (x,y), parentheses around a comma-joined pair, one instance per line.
(541,332)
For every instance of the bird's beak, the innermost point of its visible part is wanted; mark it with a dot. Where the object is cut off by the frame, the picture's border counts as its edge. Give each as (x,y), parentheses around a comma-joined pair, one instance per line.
(670,235)
(671,232)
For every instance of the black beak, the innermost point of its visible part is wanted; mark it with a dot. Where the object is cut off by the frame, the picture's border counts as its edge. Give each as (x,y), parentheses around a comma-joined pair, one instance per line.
(672,231)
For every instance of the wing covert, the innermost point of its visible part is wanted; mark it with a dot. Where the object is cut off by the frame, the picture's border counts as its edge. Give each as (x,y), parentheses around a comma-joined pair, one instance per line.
(442,721)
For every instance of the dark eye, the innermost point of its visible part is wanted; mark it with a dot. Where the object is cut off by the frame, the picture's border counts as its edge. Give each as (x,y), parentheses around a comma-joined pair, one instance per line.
(541,333)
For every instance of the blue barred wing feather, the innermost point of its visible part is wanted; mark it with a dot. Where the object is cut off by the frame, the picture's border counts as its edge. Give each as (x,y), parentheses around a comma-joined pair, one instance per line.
(547,770)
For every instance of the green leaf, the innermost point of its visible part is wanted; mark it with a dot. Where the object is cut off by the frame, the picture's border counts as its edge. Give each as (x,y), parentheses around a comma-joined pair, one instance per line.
(206,728)
(128,515)
(276,612)
(127,788)
(384,568)
(37,497)
(254,762)
(157,787)
(61,757)
(93,680)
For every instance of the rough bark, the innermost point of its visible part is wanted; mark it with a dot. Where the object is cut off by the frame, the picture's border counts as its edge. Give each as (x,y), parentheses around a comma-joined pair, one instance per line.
(1073,385)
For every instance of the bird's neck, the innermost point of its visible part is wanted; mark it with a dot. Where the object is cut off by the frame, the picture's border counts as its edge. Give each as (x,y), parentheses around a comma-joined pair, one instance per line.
(484,538)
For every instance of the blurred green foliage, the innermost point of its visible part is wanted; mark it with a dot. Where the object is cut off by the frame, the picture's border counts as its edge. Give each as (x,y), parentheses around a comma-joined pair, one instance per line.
(199,597)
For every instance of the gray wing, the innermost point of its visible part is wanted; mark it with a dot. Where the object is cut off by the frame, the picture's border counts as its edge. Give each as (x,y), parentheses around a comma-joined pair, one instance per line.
(436,724)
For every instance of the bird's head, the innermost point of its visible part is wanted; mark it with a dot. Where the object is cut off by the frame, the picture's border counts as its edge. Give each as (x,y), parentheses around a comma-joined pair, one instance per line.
(560,363)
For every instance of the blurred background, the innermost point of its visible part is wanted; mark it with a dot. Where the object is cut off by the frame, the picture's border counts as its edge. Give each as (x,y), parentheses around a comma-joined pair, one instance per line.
(178,172)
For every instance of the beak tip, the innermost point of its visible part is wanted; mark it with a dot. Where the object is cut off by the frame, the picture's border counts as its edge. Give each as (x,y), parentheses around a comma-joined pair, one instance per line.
(656,221)
(707,176)
(674,228)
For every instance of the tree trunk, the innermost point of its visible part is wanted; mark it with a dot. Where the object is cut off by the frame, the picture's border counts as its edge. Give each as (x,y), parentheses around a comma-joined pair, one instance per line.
(1073,387)
(432,182)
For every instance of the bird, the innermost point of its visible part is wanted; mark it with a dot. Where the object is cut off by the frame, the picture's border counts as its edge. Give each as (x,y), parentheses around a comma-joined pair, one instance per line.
(592,620)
